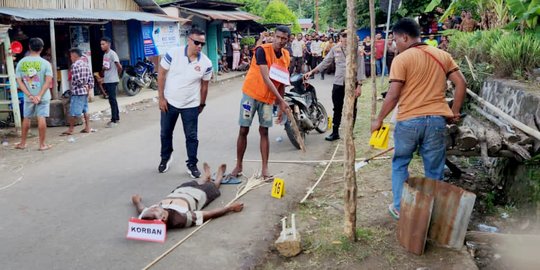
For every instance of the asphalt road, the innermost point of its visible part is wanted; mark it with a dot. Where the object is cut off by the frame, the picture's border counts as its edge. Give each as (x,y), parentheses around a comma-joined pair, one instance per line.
(71,205)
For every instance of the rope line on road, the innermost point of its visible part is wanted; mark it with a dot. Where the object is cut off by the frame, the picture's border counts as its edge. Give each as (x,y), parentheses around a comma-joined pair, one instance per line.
(310,191)
(251,184)
(313,161)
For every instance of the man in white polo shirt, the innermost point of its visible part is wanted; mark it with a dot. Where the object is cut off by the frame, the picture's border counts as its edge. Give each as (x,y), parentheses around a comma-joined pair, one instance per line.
(183,79)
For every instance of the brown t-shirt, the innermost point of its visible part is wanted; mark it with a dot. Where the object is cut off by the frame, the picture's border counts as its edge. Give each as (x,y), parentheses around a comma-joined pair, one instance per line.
(424,81)
(468,25)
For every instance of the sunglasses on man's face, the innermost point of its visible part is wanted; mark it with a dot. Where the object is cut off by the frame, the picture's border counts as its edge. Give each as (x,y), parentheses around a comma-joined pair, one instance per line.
(197,43)
(343,35)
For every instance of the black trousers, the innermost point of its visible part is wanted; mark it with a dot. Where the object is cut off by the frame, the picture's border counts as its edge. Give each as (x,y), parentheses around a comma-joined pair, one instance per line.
(110,88)
(296,65)
(338,98)
(315,60)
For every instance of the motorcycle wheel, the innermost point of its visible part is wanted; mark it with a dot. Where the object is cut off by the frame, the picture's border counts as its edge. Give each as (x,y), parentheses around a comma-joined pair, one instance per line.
(131,88)
(322,118)
(290,134)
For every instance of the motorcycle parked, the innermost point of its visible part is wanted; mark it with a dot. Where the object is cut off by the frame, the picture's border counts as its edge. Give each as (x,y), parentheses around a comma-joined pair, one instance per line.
(308,112)
(141,75)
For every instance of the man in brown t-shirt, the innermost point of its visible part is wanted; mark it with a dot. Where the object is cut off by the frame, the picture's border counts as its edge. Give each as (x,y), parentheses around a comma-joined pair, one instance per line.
(417,86)
(469,24)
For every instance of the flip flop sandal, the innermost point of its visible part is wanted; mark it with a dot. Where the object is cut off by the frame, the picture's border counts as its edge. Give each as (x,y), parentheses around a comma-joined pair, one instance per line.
(65,133)
(268,178)
(85,131)
(228,179)
(20,147)
(47,147)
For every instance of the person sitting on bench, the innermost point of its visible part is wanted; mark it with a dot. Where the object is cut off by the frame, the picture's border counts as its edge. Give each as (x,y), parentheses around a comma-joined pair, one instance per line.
(183,207)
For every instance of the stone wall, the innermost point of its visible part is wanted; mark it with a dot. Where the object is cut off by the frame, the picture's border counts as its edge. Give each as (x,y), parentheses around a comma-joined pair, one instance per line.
(519,182)
(520,101)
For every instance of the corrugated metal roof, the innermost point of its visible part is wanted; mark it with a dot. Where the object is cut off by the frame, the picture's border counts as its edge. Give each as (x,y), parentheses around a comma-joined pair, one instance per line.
(414,218)
(150,6)
(84,14)
(225,15)
(450,213)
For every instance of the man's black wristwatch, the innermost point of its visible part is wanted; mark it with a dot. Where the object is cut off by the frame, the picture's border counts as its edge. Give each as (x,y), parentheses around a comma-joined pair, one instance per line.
(202,105)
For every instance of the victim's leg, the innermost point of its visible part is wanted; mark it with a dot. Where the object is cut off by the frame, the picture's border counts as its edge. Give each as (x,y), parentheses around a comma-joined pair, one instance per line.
(219,175)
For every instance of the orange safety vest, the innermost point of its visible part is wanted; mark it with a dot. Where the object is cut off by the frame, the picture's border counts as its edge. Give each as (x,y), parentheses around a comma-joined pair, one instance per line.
(254,85)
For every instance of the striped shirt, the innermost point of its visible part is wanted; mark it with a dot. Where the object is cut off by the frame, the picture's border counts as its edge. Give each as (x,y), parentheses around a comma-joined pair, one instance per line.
(82,79)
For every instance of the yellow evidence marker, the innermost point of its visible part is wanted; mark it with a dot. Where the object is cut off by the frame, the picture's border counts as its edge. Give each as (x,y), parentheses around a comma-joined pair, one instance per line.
(278,188)
(329,122)
(379,138)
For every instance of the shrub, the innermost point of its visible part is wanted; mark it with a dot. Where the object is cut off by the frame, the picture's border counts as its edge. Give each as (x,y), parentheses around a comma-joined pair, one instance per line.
(250,41)
(516,54)
(475,45)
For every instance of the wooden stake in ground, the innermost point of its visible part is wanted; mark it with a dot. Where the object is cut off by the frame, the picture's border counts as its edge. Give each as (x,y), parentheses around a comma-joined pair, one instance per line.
(297,133)
(372,59)
(350,150)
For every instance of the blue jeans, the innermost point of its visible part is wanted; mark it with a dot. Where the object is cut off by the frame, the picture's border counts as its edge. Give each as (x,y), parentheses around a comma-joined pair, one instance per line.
(379,65)
(190,121)
(426,133)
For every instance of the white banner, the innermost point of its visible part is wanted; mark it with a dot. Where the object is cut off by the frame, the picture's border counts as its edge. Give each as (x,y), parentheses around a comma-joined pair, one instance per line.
(279,74)
(147,230)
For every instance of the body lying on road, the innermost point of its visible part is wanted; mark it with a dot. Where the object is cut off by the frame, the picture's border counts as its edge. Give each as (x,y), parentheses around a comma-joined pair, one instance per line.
(183,207)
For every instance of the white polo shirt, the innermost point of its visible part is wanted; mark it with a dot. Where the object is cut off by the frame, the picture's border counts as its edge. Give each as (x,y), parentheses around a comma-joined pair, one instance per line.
(183,83)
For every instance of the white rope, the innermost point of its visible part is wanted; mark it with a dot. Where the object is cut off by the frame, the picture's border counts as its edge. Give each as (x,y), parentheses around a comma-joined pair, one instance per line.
(251,184)
(13,183)
(310,191)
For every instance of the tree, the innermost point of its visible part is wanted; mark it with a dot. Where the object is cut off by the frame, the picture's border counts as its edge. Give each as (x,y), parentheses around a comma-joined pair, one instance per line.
(253,6)
(350,149)
(277,12)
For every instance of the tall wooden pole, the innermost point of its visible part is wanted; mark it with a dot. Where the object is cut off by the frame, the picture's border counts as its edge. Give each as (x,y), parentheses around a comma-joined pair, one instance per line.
(350,150)
(317,16)
(373,69)
(54,85)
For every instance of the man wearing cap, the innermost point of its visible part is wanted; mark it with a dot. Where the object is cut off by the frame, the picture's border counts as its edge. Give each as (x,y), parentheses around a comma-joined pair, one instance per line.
(338,56)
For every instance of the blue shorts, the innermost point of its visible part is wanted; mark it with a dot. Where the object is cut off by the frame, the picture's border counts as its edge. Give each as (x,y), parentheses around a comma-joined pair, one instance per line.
(36,110)
(78,105)
(248,107)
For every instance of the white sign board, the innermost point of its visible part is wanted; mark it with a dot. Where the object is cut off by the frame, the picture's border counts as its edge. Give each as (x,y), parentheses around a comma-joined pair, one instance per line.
(279,74)
(147,230)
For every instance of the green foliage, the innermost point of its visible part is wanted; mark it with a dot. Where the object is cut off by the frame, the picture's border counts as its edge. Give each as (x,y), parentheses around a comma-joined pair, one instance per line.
(526,12)
(431,6)
(278,12)
(516,52)
(506,54)
(252,6)
(250,41)
(333,13)
(490,202)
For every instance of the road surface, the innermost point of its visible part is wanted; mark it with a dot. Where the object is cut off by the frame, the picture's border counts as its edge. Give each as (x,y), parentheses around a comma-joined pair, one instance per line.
(68,208)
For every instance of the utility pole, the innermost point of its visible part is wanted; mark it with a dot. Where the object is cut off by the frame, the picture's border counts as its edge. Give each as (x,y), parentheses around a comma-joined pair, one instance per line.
(350,149)
(372,58)
(317,16)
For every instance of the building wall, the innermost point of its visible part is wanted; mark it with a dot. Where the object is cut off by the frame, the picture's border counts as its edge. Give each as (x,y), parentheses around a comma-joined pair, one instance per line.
(126,5)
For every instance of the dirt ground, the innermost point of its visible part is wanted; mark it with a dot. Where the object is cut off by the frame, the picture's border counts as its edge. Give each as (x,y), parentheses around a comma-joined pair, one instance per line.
(320,219)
